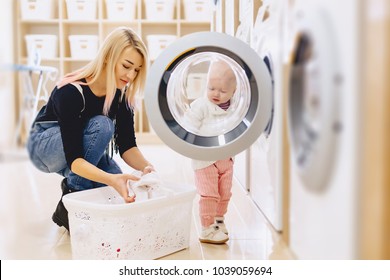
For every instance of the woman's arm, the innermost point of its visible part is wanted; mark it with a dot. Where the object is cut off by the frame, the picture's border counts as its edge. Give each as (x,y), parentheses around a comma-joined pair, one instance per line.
(126,140)
(135,159)
(118,181)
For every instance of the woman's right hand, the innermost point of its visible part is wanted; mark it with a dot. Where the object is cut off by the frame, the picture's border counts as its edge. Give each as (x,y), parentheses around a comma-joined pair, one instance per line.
(119,183)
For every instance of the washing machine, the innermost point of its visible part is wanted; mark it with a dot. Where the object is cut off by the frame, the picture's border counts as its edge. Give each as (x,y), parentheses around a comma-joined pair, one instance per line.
(247,10)
(178,77)
(323,123)
(266,154)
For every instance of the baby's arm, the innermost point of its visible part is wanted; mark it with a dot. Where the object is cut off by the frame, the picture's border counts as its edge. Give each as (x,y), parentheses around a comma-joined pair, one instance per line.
(193,117)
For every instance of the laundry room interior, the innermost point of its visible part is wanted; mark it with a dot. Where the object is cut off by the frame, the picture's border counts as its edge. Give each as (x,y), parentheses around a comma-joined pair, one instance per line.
(308,139)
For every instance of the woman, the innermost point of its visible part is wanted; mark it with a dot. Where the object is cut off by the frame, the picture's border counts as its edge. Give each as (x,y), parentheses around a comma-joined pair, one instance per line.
(72,133)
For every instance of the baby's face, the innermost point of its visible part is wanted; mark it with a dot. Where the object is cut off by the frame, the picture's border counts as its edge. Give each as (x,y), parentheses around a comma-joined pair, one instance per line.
(219,90)
(221,84)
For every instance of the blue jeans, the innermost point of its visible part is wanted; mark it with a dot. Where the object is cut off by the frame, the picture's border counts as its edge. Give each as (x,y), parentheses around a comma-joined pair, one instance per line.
(46,150)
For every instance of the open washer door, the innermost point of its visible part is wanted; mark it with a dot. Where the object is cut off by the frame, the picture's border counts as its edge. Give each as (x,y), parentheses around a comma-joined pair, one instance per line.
(180,84)
(315,99)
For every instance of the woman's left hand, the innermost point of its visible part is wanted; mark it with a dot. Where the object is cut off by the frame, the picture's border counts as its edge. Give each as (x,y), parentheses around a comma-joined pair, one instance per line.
(148,169)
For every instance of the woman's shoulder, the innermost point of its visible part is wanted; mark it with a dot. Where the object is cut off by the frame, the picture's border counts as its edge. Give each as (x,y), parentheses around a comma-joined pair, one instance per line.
(68,94)
(66,88)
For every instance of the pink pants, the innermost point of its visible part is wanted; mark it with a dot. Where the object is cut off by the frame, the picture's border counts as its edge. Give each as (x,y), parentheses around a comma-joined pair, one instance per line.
(214,185)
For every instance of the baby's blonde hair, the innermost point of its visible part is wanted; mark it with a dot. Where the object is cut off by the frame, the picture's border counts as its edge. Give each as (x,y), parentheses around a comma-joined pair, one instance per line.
(109,52)
(221,69)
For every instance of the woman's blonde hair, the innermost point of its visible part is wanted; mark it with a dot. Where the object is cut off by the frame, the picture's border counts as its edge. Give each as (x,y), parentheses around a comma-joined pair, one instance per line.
(107,57)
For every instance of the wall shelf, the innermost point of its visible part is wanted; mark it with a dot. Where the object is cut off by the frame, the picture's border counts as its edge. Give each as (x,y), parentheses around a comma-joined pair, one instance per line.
(63,27)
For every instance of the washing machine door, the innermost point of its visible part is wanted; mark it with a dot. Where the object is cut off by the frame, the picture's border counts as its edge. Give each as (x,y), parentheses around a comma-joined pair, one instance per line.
(314,99)
(199,112)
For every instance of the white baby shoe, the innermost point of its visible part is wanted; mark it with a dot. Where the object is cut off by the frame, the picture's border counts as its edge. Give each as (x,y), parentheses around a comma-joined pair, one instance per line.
(213,235)
(220,222)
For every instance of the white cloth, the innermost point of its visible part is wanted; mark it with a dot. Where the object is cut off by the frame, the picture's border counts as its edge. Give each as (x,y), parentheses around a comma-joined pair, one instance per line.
(147,187)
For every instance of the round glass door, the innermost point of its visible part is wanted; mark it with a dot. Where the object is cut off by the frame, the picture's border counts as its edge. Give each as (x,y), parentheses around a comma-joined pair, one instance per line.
(208,96)
(313,100)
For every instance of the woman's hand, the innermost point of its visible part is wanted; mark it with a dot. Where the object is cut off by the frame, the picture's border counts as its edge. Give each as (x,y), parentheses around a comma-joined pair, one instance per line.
(148,169)
(119,183)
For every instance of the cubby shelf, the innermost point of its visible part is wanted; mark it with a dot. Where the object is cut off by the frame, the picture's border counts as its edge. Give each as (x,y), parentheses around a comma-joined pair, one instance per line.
(62,27)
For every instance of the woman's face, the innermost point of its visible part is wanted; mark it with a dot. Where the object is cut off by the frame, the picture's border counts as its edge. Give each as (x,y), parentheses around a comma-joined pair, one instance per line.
(128,66)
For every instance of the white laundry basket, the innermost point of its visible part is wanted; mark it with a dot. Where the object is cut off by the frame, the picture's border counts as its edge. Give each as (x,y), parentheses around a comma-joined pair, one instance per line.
(82,10)
(44,44)
(37,9)
(121,10)
(83,46)
(102,226)
(198,10)
(160,10)
(196,85)
(157,43)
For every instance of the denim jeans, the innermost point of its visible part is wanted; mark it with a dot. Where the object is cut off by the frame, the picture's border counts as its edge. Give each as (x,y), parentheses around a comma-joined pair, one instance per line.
(46,150)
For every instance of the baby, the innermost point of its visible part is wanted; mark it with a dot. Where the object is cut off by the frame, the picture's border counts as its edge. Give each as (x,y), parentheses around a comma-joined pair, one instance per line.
(208,111)
(213,179)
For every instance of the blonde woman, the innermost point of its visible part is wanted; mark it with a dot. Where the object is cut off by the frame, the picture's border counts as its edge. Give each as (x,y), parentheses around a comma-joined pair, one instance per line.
(87,109)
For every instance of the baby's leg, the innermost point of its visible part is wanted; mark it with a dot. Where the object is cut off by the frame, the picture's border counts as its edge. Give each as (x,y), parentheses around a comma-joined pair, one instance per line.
(225,169)
(206,180)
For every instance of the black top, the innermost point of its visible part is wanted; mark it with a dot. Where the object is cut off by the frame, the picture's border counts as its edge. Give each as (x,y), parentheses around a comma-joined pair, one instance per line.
(65,106)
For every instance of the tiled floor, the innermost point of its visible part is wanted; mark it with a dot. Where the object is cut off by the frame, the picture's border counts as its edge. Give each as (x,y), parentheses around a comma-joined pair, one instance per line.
(28,198)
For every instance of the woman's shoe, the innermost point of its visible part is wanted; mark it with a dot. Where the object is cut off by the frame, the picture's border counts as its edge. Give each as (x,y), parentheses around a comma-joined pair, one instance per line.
(60,216)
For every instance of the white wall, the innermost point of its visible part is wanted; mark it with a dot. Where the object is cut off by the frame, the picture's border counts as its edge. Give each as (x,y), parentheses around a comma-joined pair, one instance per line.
(7,98)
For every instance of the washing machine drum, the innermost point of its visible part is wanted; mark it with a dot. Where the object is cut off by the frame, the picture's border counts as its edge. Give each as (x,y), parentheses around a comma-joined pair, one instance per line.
(208,96)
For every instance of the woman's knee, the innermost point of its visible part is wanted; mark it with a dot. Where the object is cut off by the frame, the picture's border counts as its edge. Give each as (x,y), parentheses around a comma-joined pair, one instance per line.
(102,126)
